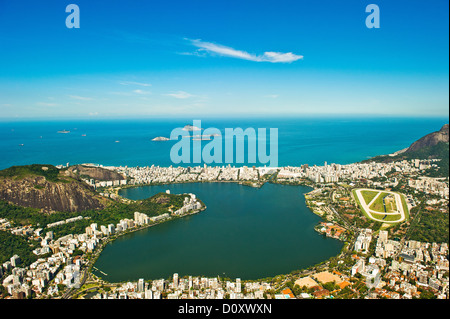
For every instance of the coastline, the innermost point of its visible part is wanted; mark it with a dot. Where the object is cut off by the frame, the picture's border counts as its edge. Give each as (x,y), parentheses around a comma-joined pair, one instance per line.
(111,239)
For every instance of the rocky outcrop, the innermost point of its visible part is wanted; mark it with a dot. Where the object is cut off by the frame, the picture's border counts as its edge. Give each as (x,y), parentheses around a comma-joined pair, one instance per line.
(431,139)
(97,173)
(37,192)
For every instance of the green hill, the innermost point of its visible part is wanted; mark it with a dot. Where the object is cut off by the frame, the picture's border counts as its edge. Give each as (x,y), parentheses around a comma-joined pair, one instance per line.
(47,188)
(432,146)
(50,172)
(438,151)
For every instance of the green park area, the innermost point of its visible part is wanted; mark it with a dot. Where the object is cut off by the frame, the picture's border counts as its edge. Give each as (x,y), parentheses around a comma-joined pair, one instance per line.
(369,195)
(385,202)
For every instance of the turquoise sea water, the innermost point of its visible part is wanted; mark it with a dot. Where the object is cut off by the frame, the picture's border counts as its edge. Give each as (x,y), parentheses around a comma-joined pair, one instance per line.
(244,232)
(300,141)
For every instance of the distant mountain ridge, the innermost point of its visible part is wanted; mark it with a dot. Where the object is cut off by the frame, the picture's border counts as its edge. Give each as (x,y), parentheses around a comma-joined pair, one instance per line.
(432,146)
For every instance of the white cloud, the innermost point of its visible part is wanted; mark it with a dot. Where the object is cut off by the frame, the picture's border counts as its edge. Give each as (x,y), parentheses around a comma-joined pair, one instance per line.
(121,93)
(272,57)
(81,98)
(281,57)
(131,93)
(135,83)
(272,96)
(180,95)
(46,104)
(141,92)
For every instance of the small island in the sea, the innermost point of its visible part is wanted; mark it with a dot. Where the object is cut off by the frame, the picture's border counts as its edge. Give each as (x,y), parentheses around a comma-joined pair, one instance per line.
(161,138)
(204,137)
(191,128)
(201,137)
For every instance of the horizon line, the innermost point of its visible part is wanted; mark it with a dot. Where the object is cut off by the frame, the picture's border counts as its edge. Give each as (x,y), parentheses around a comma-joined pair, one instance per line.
(226,115)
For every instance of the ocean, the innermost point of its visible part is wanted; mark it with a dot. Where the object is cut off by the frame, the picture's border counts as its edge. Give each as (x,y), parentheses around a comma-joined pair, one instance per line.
(129,142)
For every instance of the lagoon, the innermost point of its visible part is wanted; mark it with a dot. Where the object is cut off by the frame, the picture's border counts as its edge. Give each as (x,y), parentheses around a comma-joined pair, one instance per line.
(245,233)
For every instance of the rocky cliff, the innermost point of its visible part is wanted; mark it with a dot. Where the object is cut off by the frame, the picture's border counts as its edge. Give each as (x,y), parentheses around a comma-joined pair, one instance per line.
(97,173)
(37,191)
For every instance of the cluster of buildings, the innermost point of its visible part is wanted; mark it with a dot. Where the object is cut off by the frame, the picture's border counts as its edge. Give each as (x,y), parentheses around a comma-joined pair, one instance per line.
(363,240)
(97,184)
(26,230)
(430,185)
(190,204)
(289,173)
(61,267)
(160,175)
(371,271)
(332,230)
(22,282)
(386,248)
(401,270)
(151,174)
(248,173)
(4,223)
(328,173)
(314,285)
(209,174)
(336,172)
(229,174)
(66,221)
(187,288)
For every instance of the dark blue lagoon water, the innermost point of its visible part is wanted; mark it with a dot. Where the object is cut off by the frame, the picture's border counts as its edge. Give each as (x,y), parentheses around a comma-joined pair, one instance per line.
(300,140)
(244,232)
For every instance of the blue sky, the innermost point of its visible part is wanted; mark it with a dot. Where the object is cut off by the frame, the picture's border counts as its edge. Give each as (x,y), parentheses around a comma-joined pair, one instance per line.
(210,58)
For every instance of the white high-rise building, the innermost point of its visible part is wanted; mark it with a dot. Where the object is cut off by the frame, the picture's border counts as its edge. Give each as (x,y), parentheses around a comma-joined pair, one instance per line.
(383,236)
(104,230)
(140,286)
(175,281)
(15,260)
(238,285)
(148,294)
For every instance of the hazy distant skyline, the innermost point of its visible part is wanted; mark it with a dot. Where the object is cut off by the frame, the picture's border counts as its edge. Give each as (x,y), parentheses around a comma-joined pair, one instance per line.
(194,58)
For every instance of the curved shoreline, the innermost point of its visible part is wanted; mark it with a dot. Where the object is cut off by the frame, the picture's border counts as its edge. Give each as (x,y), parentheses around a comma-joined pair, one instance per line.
(111,239)
(118,189)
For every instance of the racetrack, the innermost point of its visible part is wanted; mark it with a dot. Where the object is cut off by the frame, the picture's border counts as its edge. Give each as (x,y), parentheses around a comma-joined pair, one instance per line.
(370,212)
